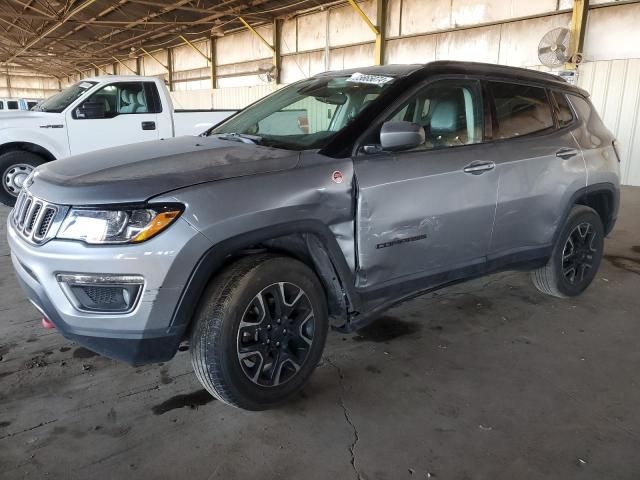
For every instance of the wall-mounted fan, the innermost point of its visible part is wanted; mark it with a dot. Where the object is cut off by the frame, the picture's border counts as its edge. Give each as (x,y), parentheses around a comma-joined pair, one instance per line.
(267,72)
(553,50)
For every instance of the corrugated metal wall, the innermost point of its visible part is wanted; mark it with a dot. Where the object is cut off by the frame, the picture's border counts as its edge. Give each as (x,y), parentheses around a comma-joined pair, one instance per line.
(615,92)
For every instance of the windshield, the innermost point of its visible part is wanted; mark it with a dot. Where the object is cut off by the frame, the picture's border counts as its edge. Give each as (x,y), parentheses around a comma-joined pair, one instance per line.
(306,114)
(58,102)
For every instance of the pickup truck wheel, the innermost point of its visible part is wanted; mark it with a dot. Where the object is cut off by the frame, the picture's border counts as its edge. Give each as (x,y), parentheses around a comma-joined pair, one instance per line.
(15,167)
(260,331)
(576,255)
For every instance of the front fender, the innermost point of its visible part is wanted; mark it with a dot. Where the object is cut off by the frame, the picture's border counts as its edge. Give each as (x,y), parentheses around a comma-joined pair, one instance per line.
(57,147)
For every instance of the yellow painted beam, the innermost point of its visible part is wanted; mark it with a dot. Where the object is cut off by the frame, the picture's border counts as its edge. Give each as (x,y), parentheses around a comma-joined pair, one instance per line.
(253,30)
(147,53)
(578,28)
(125,66)
(364,17)
(378,30)
(101,69)
(196,49)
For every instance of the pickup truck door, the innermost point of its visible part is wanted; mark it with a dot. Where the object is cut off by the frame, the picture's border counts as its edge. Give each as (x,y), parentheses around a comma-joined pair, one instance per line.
(427,214)
(119,113)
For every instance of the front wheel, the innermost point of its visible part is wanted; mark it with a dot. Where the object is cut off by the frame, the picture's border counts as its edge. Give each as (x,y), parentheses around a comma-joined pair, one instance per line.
(15,167)
(260,331)
(576,256)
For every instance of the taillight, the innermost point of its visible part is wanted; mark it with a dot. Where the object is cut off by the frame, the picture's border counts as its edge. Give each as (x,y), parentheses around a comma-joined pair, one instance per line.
(616,149)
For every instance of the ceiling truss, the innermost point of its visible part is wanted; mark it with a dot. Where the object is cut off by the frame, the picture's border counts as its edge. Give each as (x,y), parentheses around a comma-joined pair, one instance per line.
(64,37)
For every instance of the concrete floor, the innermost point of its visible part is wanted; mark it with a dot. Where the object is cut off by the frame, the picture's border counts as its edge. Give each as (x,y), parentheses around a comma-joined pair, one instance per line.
(489,379)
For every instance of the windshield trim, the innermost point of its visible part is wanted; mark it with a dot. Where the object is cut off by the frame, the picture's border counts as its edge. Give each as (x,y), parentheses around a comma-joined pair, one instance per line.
(41,107)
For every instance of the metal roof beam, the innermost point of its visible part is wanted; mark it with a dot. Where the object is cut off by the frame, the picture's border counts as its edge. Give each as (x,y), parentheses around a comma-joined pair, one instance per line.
(52,28)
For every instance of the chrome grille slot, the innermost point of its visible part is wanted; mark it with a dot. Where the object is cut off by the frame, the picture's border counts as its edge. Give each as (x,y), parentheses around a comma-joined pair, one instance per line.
(45,223)
(33,216)
(18,206)
(25,210)
(36,220)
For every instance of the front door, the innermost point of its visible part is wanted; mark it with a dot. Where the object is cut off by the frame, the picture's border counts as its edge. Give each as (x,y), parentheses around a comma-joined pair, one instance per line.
(427,214)
(118,114)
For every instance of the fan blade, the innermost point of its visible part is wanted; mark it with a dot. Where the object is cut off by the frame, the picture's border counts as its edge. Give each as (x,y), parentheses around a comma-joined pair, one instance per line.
(544,50)
(562,36)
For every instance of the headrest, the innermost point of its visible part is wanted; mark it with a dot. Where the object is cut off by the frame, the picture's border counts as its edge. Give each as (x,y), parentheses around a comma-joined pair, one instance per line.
(445,116)
(125,96)
(141,99)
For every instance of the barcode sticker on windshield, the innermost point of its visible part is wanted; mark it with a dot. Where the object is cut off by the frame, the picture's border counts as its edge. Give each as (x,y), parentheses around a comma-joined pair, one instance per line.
(379,80)
(86,85)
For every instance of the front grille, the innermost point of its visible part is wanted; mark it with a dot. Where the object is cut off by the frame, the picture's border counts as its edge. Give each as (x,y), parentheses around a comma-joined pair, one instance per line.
(34,219)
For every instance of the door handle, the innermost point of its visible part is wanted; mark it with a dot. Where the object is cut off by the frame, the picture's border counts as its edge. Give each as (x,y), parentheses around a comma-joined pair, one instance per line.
(476,168)
(148,125)
(566,153)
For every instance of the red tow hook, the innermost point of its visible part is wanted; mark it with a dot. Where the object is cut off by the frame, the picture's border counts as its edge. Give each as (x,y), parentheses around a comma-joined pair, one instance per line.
(48,324)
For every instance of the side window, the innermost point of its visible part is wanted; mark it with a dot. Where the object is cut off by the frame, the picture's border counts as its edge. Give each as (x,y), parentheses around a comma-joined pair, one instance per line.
(12,105)
(1,105)
(449,111)
(563,110)
(116,99)
(519,109)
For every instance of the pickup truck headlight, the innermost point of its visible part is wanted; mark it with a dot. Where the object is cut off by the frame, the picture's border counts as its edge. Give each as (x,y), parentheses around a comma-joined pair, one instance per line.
(105,226)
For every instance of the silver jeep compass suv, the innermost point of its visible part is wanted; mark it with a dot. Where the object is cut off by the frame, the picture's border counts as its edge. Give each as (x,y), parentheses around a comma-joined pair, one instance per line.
(320,205)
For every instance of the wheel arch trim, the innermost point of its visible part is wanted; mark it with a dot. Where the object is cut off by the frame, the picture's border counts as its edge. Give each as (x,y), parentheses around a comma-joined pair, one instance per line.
(319,240)
(581,197)
(27,147)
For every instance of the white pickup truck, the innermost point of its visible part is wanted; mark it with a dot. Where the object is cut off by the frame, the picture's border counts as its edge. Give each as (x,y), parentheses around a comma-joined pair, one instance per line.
(93,114)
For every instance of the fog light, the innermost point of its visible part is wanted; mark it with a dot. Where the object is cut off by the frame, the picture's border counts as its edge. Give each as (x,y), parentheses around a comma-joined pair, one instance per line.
(102,293)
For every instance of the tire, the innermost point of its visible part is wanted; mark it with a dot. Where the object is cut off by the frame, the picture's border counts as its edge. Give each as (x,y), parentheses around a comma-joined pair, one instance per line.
(14,168)
(240,352)
(573,265)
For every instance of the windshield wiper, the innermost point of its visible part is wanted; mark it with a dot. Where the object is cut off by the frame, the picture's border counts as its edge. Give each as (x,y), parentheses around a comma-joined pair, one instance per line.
(239,137)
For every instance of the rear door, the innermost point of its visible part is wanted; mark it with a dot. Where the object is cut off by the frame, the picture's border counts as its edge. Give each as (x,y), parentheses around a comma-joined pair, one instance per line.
(540,166)
(127,113)
(428,210)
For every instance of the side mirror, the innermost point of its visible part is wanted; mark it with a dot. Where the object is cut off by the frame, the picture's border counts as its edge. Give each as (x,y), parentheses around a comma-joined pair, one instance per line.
(401,135)
(91,110)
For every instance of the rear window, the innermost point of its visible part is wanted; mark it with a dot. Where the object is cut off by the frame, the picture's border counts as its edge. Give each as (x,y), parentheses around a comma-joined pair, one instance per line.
(563,110)
(520,109)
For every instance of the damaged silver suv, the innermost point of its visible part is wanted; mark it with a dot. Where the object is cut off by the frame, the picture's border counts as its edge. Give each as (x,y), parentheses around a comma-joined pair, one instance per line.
(318,206)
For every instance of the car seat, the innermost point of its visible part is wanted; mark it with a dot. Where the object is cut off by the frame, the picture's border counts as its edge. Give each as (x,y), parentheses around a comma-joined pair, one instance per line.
(446,121)
(141,103)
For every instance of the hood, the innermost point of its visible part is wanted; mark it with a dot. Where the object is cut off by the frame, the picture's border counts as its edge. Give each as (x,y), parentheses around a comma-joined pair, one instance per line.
(29,118)
(137,172)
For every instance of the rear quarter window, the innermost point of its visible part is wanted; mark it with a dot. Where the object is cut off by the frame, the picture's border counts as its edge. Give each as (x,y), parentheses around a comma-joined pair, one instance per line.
(12,105)
(519,110)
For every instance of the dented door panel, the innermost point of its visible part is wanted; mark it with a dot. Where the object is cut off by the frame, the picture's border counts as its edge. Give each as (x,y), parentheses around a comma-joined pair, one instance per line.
(419,213)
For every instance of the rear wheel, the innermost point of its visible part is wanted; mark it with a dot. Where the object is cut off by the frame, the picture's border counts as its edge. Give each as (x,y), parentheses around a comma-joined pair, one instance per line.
(15,167)
(576,257)
(260,331)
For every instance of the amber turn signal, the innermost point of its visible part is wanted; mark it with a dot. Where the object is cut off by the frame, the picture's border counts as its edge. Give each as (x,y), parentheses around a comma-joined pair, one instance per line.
(161,221)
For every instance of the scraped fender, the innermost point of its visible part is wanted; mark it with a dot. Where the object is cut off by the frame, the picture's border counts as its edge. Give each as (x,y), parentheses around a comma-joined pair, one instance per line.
(317,240)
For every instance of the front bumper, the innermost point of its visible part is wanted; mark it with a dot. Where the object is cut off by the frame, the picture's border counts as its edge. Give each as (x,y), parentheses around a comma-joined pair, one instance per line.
(146,334)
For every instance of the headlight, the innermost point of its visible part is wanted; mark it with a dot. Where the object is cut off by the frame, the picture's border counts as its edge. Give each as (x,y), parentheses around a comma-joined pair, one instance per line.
(98,226)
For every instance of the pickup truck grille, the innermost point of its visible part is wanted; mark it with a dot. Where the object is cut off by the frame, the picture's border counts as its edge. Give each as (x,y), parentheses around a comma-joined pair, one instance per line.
(36,220)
